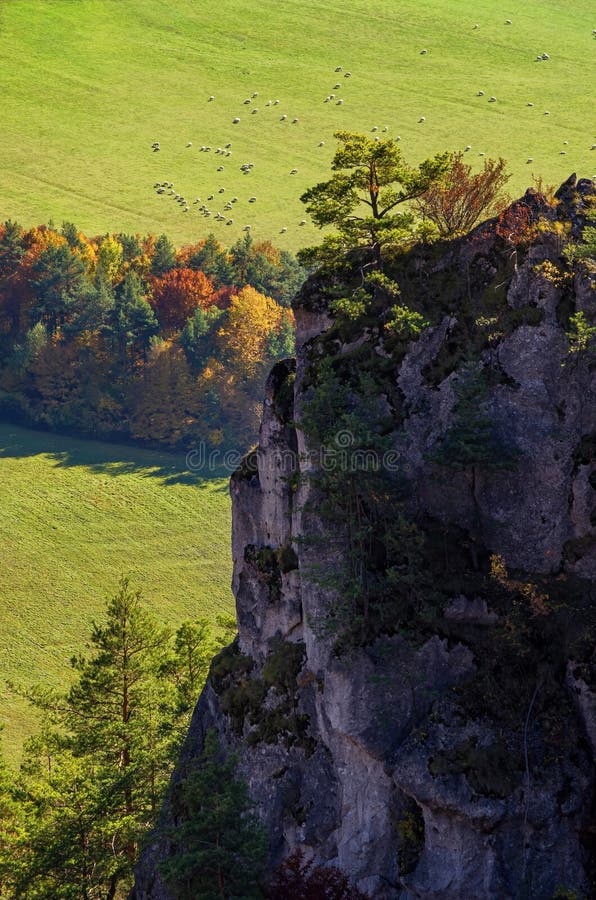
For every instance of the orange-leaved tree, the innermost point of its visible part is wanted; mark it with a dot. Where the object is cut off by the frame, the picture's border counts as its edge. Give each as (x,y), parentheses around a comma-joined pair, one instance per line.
(176,295)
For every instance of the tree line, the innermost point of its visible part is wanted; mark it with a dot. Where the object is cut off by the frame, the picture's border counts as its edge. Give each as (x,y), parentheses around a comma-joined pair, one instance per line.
(123,336)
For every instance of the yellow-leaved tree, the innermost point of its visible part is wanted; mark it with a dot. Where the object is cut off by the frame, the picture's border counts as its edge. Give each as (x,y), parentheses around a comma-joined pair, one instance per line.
(252,320)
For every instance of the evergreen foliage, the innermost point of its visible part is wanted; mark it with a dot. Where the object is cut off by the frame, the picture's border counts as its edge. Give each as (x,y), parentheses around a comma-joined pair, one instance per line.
(382,581)
(361,200)
(219,845)
(471,440)
(93,778)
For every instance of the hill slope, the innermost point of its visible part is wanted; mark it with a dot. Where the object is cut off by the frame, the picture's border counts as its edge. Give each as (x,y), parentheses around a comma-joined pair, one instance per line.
(75,515)
(87,87)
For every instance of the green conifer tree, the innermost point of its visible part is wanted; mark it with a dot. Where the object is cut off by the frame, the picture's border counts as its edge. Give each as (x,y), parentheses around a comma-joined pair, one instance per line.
(220,845)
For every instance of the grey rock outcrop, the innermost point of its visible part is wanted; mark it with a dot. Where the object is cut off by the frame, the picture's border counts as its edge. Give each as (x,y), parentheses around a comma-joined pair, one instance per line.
(381,769)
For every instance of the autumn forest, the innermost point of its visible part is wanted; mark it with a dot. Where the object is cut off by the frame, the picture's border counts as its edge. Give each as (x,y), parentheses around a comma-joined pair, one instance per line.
(123,336)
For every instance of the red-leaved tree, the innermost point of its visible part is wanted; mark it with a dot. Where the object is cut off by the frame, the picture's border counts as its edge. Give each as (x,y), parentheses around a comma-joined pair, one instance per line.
(461,198)
(301,880)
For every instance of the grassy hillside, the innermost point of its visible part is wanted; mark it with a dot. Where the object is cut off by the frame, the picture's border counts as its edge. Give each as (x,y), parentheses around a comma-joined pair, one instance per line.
(86,88)
(74,516)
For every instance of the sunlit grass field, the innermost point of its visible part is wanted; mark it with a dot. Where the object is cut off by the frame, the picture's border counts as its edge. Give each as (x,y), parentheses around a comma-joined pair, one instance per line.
(75,516)
(86,87)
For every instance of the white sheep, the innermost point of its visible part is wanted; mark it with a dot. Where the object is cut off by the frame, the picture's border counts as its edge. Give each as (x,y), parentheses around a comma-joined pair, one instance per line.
(530,159)
(321,143)
(294,121)
(283,118)
(283,230)
(211,99)
(254,112)
(492,99)
(480,94)
(235,121)
(530,104)
(293,171)
(338,68)
(422,52)
(220,168)
(422,119)
(255,94)
(189,144)
(339,102)
(467,147)
(247,101)
(252,199)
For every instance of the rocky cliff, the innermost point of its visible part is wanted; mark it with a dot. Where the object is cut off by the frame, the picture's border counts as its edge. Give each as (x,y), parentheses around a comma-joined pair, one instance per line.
(436,739)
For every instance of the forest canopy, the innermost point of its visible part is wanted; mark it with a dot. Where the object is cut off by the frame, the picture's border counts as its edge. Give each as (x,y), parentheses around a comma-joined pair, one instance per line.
(125,336)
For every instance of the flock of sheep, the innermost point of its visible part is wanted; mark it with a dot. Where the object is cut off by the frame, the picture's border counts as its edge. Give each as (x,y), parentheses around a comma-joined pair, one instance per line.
(166,188)
(253,108)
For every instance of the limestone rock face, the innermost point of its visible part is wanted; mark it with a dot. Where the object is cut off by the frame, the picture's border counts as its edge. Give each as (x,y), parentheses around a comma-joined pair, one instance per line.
(378,766)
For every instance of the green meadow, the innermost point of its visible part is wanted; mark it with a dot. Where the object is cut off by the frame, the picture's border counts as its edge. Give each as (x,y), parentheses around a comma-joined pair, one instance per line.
(87,87)
(76,515)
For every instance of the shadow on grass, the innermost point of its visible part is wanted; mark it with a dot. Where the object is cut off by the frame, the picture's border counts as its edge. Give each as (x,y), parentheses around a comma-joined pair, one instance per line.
(100,457)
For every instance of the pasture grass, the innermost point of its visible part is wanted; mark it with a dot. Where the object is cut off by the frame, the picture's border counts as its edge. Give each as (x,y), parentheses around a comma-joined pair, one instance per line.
(75,515)
(86,87)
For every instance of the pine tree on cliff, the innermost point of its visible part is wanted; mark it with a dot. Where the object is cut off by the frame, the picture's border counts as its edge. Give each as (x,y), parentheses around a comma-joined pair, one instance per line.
(362,198)
(220,845)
